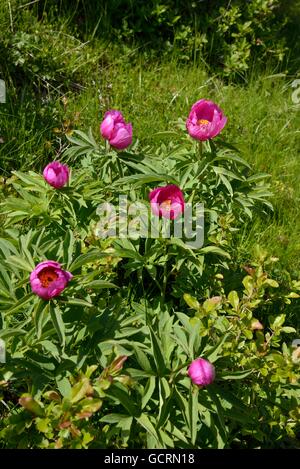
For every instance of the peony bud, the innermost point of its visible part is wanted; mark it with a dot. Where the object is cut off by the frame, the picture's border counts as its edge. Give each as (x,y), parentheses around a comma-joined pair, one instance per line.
(201,372)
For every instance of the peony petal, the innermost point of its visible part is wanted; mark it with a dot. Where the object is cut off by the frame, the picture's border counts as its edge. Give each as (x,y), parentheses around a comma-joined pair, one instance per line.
(121,136)
(107,126)
(154,194)
(68,275)
(45,265)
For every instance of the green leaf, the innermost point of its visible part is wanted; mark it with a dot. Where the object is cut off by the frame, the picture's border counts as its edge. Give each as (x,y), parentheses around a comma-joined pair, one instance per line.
(191,301)
(20,263)
(215,352)
(220,414)
(42,425)
(41,315)
(233,299)
(99,284)
(141,179)
(175,432)
(193,414)
(80,389)
(50,347)
(90,256)
(219,170)
(248,284)
(117,392)
(113,418)
(231,157)
(157,354)
(278,322)
(234,407)
(235,374)
(165,402)
(32,179)
(258,177)
(68,246)
(7,247)
(271,283)
(64,386)
(226,184)
(79,302)
(142,359)
(149,390)
(27,401)
(166,439)
(6,333)
(214,250)
(165,133)
(22,302)
(144,421)
(58,323)
(288,330)
(129,253)
(140,374)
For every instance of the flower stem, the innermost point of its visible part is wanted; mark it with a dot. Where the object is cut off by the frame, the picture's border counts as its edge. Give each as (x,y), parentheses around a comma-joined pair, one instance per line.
(200,150)
(164,285)
(164,280)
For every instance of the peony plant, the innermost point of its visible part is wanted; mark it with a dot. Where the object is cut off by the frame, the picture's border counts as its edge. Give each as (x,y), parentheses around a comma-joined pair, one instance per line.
(136,312)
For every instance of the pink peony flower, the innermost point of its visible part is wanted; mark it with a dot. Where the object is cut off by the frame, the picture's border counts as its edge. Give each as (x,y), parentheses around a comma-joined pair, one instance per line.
(48,279)
(114,129)
(201,372)
(205,121)
(167,202)
(56,174)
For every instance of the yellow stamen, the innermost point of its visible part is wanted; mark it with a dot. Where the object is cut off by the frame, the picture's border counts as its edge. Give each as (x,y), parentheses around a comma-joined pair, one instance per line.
(202,122)
(47,276)
(166,204)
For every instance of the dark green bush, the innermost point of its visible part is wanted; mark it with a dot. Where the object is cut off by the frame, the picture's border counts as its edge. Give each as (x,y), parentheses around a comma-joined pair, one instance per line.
(227,34)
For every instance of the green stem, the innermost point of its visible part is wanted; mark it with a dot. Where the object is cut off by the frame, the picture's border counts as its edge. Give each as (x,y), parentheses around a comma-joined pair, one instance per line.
(164,285)
(200,150)
(165,280)
(107,146)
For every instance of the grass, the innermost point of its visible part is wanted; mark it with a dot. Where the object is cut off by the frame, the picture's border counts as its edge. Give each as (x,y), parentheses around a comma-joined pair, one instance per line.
(46,100)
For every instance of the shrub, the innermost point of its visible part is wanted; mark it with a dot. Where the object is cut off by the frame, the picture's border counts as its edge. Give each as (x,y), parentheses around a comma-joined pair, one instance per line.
(228,35)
